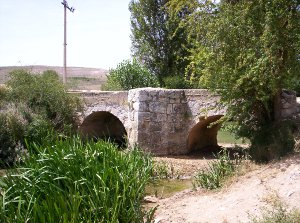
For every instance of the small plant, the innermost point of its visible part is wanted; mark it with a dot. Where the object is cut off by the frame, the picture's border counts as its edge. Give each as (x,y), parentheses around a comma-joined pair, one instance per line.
(213,176)
(161,170)
(276,212)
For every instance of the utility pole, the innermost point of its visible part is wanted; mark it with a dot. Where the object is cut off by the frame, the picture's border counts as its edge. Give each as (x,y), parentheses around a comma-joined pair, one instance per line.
(71,9)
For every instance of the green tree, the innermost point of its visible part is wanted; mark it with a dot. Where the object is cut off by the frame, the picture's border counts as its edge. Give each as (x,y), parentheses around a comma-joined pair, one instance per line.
(129,75)
(247,51)
(157,38)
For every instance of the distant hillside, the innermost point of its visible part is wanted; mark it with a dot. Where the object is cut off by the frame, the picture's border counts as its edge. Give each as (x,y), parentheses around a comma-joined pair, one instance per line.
(77,77)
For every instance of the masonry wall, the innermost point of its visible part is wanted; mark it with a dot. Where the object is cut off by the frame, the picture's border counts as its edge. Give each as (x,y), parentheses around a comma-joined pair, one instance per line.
(115,102)
(160,120)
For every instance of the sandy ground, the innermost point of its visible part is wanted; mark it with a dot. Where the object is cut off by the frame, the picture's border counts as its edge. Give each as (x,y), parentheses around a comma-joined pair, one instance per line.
(243,197)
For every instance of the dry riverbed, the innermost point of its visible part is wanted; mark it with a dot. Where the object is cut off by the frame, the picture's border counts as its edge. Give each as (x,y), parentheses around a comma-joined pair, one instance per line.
(242,197)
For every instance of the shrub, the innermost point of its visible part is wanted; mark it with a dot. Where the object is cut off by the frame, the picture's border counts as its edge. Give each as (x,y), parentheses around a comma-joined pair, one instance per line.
(38,131)
(176,82)
(3,95)
(272,142)
(72,181)
(31,106)
(129,75)
(45,95)
(12,129)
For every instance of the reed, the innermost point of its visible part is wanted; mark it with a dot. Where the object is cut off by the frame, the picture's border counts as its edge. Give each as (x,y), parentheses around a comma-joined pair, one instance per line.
(74,181)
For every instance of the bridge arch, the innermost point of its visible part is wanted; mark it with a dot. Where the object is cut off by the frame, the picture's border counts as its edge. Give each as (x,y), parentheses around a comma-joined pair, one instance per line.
(104,125)
(203,136)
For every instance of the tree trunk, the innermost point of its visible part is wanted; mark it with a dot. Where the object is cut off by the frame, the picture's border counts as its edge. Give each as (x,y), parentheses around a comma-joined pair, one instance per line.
(277,106)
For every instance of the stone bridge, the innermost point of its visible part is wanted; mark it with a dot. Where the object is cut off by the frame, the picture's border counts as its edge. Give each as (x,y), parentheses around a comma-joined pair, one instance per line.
(160,121)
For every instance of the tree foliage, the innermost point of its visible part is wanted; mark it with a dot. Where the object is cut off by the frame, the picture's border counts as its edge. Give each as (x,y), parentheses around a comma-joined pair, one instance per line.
(158,40)
(246,51)
(129,75)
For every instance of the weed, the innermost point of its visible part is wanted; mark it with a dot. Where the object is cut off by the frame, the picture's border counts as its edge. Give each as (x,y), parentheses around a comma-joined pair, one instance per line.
(164,170)
(161,170)
(276,211)
(213,176)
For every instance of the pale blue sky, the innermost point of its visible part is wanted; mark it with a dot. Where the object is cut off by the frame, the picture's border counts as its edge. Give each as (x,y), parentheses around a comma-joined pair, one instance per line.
(31,33)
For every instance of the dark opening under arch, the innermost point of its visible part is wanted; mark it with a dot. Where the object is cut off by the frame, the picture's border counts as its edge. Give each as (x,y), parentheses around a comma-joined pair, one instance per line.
(106,126)
(203,136)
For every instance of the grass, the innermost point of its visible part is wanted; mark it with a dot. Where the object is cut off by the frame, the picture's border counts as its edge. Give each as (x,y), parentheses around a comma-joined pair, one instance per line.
(220,170)
(72,181)
(276,211)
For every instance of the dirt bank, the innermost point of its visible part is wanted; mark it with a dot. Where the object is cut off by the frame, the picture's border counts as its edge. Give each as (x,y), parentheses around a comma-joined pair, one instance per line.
(243,196)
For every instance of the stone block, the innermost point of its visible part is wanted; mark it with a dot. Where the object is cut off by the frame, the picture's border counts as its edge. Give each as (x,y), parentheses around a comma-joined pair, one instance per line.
(157,107)
(162,118)
(145,125)
(144,116)
(155,126)
(143,96)
(169,109)
(143,137)
(153,117)
(156,137)
(286,113)
(179,108)
(174,100)
(140,106)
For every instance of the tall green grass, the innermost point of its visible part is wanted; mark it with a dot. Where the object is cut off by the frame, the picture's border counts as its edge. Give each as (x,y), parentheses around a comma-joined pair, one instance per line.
(74,181)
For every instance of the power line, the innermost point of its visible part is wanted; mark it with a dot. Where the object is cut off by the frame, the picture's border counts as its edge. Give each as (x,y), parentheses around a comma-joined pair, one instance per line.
(71,9)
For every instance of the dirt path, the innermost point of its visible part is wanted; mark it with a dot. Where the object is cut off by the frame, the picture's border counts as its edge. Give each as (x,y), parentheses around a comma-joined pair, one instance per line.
(246,195)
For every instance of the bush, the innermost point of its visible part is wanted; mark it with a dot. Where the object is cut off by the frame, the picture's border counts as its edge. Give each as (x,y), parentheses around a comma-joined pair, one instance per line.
(31,106)
(176,82)
(45,95)
(71,181)
(272,142)
(13,125)
(3,95)
(129,75)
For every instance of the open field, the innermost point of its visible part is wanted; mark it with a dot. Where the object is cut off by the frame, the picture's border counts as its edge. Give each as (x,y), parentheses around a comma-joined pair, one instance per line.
(78,78)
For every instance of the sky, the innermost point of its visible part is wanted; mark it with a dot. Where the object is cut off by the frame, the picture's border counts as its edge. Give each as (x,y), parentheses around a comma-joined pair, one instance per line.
(31,33)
